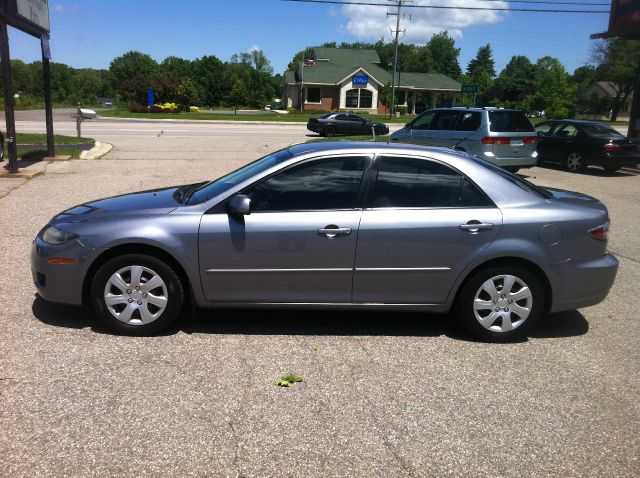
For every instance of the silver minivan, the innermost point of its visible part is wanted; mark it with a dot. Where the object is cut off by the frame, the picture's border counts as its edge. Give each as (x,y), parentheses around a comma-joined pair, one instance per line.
(501,136)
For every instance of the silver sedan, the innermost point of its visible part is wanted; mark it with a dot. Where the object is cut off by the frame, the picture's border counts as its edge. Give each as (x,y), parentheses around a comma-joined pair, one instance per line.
(349,225)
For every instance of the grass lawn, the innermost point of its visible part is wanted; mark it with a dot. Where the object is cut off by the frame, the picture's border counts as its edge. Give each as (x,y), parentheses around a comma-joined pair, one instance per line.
(37,154)
(275,117)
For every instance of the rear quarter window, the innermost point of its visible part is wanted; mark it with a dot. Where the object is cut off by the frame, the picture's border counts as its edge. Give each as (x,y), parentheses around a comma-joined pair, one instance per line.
(509,122)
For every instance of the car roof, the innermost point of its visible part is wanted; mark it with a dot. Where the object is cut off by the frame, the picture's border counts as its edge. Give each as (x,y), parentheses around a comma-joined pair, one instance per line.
(575,121)
(324,146)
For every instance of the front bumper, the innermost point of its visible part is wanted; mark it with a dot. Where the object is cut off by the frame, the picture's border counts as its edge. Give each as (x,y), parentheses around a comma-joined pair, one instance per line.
(60,283)
(582,284)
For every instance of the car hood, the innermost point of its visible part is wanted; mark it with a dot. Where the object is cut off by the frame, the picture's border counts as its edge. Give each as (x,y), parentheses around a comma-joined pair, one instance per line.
(153,202)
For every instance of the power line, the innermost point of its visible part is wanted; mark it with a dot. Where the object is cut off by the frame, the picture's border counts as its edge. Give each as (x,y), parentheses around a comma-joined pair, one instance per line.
(443,7)
(584,4)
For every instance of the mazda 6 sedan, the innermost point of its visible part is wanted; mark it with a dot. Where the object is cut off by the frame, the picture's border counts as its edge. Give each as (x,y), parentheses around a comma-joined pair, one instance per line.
(342,225)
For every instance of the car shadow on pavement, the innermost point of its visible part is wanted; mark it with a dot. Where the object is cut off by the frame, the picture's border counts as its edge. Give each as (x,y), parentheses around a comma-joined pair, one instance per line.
(310,322)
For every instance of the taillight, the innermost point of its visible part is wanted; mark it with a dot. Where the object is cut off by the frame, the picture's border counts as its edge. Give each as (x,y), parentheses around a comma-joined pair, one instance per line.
(490,140)
(612,148)
(601,232)
(530,140)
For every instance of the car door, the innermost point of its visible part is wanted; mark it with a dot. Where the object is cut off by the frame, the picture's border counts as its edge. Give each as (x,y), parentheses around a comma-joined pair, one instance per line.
(555,143)
(357,125)
(298,242)
(422,224)
(341,123)
(443,128)
(420,132)
(565,141)
(545,141)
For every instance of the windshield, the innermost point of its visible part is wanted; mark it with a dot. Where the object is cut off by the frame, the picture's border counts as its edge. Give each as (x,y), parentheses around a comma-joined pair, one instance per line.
(220,185)
(600,130)
(514,178)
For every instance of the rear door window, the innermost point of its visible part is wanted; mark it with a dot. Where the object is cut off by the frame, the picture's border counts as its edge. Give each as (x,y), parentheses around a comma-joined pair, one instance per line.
(545,129)
(469,121)
(509,122)
(566,131)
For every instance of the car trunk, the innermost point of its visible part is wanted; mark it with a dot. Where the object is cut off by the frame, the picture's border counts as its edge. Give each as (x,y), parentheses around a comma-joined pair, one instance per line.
(512,134)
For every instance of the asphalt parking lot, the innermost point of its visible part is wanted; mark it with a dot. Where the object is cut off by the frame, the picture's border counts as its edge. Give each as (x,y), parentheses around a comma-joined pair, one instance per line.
(384,394)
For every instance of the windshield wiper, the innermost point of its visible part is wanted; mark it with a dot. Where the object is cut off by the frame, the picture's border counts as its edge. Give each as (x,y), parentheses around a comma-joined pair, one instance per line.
(183,194)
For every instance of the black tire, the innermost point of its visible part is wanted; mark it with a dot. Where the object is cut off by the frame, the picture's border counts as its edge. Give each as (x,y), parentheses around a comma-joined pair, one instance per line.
(574,162)
(498,320)
(611,169)
(140,302)
(329,131)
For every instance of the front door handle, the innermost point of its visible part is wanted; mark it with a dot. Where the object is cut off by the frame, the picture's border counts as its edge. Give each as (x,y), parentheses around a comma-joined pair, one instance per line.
(332,231)
(476,226)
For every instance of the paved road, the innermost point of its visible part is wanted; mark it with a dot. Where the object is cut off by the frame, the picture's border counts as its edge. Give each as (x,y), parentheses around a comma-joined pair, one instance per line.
(384,394)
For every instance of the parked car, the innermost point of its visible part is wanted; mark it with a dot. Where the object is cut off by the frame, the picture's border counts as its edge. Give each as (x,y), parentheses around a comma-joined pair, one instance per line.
(352,225)
(578,144)
(334,123)
(86,113)
(503,137)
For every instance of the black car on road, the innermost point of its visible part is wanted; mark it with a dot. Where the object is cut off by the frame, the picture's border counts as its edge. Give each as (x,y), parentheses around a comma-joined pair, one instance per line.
(334,123)
(578,144)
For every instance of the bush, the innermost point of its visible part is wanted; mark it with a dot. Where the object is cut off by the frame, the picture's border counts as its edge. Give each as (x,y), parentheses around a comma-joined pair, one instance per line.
(193,109)
(402,110)
(138,108)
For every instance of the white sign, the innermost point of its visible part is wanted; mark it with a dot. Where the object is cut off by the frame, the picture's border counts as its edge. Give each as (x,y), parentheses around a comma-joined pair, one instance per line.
(36,11)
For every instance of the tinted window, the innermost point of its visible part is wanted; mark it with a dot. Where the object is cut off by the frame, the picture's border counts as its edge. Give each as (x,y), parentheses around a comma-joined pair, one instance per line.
(509,122)
(330,183)
(341,117)
(444,120)
(410,182)
(366,99)
(545,128)
(355,118)
(423,121)
(469,121)
(566,131)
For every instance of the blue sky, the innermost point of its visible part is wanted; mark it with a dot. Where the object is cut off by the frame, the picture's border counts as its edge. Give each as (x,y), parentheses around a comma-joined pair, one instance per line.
(90,33)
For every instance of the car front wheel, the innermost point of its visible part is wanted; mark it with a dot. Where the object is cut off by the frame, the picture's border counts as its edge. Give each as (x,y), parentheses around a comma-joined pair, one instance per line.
(329,131)
(137,294)
(501,304)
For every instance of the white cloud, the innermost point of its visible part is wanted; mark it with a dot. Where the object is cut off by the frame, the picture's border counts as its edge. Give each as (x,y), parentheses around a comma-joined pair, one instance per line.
(253,48)
(369,22)
(58,8)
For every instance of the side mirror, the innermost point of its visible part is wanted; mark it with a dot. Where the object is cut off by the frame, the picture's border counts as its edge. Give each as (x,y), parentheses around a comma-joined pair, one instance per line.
(407,126)
(240,205)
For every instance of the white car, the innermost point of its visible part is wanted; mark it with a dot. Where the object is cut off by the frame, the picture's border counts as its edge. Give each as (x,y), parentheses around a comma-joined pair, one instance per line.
(88,114)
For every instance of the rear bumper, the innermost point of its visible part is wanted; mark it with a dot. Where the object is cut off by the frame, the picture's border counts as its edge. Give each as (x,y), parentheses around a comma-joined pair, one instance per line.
(609,159)
(520,162)
(582,284)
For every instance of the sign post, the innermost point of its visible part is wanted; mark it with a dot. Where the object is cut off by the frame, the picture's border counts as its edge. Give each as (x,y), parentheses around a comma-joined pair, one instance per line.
(32,17)
(470,88)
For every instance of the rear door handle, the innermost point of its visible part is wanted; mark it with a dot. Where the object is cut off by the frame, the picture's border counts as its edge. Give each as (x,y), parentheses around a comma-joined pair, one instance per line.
(475,226)
(333,231)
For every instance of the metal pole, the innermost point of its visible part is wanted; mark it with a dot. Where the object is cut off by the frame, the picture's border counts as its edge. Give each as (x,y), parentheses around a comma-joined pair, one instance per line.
(48,108)
(79,121)
(302,84)
(395,61)
(634,114)
(8,96)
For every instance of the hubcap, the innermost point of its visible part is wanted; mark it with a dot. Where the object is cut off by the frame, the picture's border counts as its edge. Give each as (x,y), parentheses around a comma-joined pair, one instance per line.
(502,303)
(136,295)
(574,161)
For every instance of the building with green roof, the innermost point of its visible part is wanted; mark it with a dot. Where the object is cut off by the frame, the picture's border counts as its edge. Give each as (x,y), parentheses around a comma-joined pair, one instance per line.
(352,79)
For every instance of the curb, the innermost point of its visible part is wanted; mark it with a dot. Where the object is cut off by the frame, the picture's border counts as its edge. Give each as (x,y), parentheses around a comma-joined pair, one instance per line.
(99,150)
(171,120)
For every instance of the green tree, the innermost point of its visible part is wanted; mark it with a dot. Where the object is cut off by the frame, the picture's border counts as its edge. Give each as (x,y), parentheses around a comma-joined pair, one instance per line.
(554,90)
(445,54)
(238,94)
(187,93)
(482,63)
(130,72)
(209,74)
(514,84)
(618,62)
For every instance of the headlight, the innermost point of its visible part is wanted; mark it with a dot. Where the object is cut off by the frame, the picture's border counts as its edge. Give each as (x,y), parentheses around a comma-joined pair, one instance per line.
(52,235)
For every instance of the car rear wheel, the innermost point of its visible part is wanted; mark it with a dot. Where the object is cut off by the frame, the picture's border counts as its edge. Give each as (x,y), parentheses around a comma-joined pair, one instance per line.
(330,131)
(575,163)
(501,304)
(137,294)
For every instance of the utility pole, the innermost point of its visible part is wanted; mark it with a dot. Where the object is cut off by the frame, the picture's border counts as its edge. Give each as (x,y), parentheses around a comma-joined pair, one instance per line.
(399,4)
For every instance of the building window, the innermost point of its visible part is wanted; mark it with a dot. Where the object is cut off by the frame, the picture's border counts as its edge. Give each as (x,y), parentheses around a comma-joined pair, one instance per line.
(359,98)
(313,95)
(352,99)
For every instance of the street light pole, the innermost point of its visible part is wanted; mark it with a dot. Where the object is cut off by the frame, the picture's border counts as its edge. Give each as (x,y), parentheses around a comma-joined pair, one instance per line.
(399,4)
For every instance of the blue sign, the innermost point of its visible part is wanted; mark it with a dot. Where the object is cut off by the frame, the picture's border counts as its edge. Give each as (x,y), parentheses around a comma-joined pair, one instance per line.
(359,80)
(150,97)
